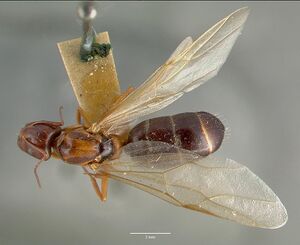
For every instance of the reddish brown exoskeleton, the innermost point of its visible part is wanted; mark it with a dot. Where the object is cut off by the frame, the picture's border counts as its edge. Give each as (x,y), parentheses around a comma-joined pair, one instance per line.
(74,144)
(169,157)
(199,132)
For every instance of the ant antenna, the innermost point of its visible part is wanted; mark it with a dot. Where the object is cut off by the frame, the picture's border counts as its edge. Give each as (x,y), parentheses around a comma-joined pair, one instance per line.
(36,174)
(61,114)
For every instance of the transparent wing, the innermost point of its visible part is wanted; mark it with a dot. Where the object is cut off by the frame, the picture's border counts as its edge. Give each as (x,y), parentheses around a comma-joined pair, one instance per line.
(224,188)
(189,66)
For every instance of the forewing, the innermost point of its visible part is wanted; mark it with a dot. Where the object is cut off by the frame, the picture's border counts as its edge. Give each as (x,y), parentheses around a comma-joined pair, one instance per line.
(189,66)
(224,189)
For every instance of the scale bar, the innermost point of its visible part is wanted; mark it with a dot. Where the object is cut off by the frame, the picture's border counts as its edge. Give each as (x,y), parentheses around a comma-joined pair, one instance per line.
(150,233)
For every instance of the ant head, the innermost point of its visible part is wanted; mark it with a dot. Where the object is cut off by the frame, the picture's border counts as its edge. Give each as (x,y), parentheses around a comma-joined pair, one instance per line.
(36,138)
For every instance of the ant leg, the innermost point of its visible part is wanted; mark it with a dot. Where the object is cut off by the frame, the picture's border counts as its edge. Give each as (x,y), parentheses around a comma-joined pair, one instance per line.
(97,189)
(78,116)
(104,185)
(102,194)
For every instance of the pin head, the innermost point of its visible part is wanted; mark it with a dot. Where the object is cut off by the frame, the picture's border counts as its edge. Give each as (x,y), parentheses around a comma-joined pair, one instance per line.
(86,11)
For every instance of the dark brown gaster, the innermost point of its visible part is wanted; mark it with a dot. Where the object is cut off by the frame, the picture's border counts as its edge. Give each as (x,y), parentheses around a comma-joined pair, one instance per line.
(200,132)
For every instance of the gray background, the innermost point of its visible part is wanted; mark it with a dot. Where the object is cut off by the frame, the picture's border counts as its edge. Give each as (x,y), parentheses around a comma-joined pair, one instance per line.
(256,94)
